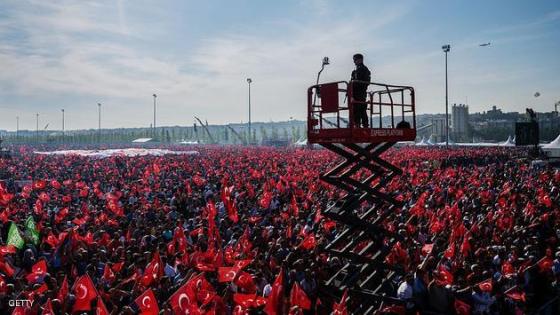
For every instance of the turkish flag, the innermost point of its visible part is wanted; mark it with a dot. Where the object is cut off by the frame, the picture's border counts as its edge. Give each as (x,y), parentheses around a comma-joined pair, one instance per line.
(427,249)
(309,242)
(108,274)
(117,267)
(239,310)
(245,281)
(486,285)
(545,264)
(39,184)
(66,199)
(232,213)
(38,208)
(101,308)
(61,215)
(47,308)
(229,204)
(462,308)
(2,284)
(19,310)
(444,277)
(265,200)
(241,264)
(394,309)
(37,292)
(51,240)
(6,268)
(147,303)
(329,225)
(248,300)
(198,181)
(227,274)
(275,298)
(88,239)
(299,298)
(4,216)
(8,249)
(38,270)
(340,308)
(294,207)
(516,294)
(450,251)
(465,246)
(5,198)
(63,291)
(507,269)
(212,212)
(154,271)
(44,197)
(183,301)
(85,292)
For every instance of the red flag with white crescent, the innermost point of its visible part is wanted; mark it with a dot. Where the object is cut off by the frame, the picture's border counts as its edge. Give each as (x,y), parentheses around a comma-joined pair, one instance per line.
(85,292)
(63,291)
(147,303)
(275,298)
(340,308)
(299,298)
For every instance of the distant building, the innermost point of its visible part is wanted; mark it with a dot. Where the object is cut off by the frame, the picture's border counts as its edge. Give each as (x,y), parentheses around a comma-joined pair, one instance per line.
(494,113)
(438,129)
(460,122)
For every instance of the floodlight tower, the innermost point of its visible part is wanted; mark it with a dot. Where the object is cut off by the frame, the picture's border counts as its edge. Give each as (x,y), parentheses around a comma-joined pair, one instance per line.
(37,127)
(99,122)
(249,81)
(154,129)
(446,49)
(62,110)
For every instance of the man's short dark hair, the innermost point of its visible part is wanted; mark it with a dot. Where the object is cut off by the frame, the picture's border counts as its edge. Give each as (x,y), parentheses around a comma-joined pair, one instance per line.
(358,56)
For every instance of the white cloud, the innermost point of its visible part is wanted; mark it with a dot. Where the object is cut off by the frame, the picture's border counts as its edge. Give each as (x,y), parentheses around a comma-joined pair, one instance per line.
(81,53)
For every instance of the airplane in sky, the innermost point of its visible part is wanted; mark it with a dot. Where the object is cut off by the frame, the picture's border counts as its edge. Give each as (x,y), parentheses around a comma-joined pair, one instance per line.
(485,44)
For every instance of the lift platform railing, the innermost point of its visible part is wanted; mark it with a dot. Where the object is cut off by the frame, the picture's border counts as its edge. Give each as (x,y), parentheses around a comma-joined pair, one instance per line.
(324,99)
(332,106)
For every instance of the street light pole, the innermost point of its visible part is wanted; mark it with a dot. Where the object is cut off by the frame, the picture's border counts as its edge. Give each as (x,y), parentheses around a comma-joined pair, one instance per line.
(446,49)
(17,128)
(249,81)
(62,124)
(154,129)
(99,122)
(37,127)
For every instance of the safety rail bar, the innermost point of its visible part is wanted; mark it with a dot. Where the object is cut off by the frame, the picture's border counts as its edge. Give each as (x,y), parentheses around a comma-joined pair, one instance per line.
(383,95)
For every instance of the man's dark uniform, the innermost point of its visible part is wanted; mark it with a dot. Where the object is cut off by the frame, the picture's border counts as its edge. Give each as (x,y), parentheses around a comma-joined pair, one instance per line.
(359,93)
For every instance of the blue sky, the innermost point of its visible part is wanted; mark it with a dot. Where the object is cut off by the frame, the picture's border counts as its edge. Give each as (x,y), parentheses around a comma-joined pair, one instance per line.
(196,56)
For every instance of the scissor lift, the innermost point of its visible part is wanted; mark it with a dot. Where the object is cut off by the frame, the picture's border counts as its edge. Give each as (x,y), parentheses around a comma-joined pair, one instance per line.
(363,174)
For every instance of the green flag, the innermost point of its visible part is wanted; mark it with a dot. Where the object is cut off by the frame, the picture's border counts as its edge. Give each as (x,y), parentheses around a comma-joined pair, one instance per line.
(32,230)
(14,238)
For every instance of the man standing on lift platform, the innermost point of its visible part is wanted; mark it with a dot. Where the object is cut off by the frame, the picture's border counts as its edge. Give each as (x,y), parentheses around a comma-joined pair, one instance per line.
(359,92)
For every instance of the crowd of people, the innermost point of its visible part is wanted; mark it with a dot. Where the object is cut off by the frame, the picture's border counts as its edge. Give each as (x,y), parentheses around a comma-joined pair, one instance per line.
(240,230)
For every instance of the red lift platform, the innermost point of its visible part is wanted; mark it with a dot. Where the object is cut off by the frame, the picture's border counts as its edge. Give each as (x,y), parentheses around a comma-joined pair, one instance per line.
(363,244)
